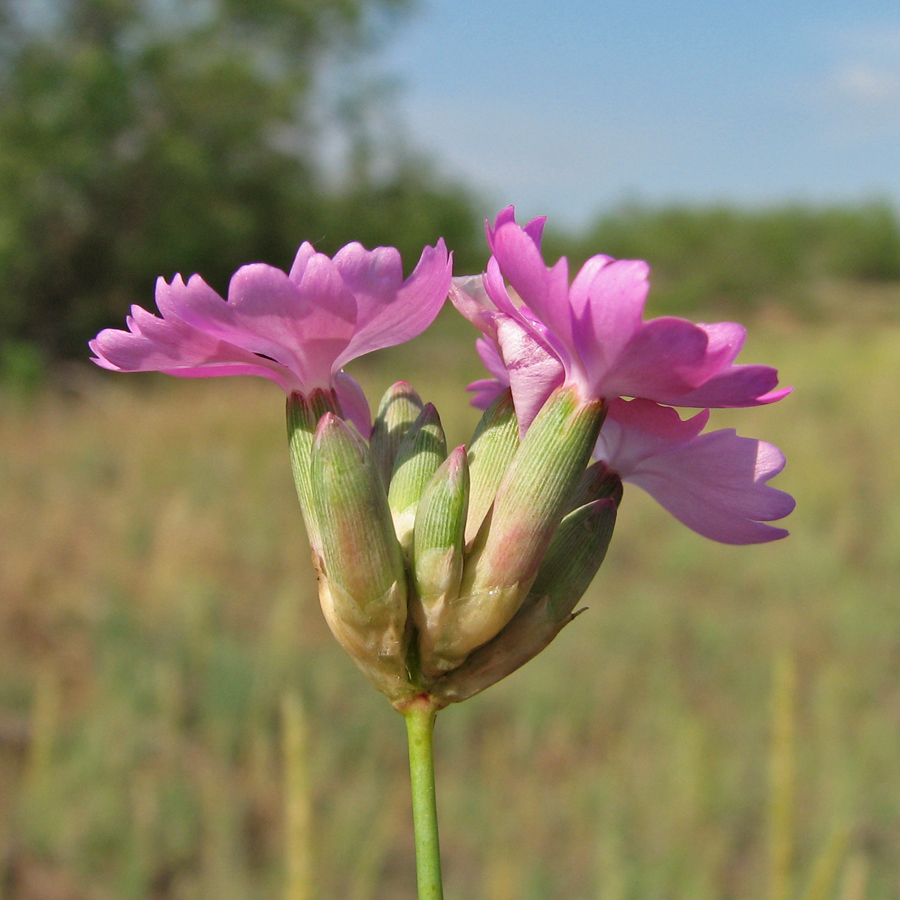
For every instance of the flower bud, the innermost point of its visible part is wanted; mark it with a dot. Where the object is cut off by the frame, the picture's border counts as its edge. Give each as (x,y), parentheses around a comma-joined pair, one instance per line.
(573,558)
(534,495)
(362,583)
(421,451)
(597,483)
(399,408)
(437,555)
(493,446)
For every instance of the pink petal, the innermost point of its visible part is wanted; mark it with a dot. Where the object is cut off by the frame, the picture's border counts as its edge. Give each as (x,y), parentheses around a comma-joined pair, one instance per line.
(647,420)
(635,430)
(470,298)
(486,391)
(468,295)
(595,330)
(172,346)
(534,229)
(354,405)
(310,322)
(714,483)
(303,326)
(495,289)
(301,260)
(544,291)
(607,298)
(716,486)
(508,214)
(736,386)
(493,362)
(390,310)
(725,340)
(665,358)
(534,372)
(722,384)
(295,329)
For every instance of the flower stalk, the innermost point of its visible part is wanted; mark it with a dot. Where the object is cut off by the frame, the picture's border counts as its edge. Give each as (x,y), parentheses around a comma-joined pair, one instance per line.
(420,716)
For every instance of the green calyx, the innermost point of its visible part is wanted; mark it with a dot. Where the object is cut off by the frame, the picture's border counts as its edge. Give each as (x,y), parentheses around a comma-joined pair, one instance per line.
(398,410)
(438,554)
(493,446)
(419,455)
(596,483)
(303,415)
(359,547)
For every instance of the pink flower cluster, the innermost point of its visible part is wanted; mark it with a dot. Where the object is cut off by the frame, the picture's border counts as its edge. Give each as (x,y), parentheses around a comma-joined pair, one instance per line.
(539,332)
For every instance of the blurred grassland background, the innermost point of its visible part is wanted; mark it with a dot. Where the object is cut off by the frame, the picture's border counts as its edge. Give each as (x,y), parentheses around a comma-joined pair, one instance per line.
(177,723)
(166,673)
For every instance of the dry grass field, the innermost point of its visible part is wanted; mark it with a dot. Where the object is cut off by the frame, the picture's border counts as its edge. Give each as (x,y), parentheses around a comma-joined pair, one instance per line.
(177,723)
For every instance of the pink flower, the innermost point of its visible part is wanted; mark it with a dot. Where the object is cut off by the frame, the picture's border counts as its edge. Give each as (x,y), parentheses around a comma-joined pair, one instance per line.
(540,333)
(592,334)
(297,329)
(715,483)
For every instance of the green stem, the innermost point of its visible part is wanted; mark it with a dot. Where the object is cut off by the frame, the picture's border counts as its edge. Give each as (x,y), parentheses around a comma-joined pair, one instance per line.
(420,729)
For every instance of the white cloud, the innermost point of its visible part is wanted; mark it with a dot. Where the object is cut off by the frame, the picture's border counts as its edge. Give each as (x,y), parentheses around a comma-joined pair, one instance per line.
(868,84)
(866,70)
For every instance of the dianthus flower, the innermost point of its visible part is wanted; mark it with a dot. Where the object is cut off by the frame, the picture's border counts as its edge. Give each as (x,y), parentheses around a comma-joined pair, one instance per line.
(539,334)
(591,333)
(297,329)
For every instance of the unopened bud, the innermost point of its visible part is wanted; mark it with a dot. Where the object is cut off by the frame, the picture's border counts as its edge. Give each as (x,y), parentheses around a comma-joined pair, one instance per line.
(597,483)
(362,584)
(573,558)
(399,408)
(421,451)
(437,556)
(493,446)
(576,553)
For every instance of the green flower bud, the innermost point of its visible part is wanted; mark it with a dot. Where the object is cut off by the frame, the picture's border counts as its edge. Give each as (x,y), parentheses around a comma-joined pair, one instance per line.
(573,558)
(597,483)
(534,495)
(437,555)
(421,451)
(493,446)
(399,408)
(362,583)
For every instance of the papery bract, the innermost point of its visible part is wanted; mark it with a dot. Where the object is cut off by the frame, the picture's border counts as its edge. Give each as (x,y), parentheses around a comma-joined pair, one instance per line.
(297,329)
(715,483)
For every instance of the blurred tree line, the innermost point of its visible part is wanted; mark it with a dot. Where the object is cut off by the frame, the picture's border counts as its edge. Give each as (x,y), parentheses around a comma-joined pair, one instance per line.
(733,258)
(148,137)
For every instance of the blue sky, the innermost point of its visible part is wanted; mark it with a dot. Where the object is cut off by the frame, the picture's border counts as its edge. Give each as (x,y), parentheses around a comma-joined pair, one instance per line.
(569,106)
